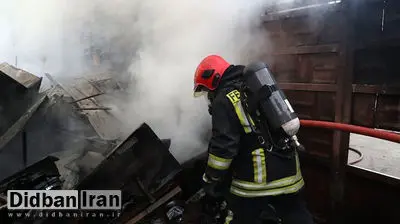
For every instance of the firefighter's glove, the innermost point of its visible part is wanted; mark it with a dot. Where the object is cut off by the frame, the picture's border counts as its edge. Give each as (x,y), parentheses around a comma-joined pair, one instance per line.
(213,187)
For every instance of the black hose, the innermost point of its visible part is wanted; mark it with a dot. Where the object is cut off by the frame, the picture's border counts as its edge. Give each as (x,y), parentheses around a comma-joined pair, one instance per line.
(361,156)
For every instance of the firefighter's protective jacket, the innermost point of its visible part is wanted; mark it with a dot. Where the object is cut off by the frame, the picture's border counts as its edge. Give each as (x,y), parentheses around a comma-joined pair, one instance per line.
(233,147)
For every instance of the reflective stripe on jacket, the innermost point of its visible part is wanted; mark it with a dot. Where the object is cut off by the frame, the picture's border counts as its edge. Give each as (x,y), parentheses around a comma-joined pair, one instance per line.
(259,185)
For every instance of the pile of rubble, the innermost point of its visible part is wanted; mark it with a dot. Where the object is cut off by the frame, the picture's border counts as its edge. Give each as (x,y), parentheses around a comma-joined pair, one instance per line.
(66,120)
(65,138)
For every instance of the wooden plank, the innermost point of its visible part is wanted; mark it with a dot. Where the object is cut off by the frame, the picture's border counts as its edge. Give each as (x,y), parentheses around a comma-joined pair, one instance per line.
(21,76)
(290,12)
(342,113)
(387,112)
(52,80)
(376,89)
(314,49)
(313,105)
(364,109)
(88,97)
(308,87)
(104,123)
(386,41)
(20,123)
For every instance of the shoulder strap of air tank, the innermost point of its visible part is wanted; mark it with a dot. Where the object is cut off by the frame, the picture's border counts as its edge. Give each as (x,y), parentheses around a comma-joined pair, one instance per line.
(244,102)
(256,126)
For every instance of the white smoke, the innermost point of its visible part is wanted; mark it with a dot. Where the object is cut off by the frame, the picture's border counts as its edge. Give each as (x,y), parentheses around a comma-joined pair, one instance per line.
(175,36)
(170,38)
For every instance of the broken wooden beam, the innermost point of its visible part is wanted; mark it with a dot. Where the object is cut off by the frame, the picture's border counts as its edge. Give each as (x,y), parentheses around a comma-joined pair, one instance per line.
(101,120)
(88,97)
(93,108)
(52,80)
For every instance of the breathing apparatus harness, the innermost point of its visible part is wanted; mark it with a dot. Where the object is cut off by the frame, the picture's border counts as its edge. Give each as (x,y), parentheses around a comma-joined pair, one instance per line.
(270,146)
(275,122)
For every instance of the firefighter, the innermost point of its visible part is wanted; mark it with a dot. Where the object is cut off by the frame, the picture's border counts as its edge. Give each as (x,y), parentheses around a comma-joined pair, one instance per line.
(261,184)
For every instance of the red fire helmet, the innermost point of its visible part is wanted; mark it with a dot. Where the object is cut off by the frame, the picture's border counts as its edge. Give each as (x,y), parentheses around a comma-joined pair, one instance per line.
(208,74)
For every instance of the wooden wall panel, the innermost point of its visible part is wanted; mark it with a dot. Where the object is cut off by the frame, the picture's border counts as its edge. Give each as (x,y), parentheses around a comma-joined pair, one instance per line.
(317,142)
(388,112)
(312,105)
(376,110)
(324,68)
(306,57)
(363,109)
(377,66)
(392,20)
(319,68)
(317,189)
(315,106)
(368,23)
(326,106)
(303,103)
(318,54)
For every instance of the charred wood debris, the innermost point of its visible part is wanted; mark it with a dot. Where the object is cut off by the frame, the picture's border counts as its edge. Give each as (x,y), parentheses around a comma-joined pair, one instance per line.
(64,138)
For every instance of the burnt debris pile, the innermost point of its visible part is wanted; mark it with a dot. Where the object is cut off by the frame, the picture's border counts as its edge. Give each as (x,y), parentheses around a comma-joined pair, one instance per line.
(66,137)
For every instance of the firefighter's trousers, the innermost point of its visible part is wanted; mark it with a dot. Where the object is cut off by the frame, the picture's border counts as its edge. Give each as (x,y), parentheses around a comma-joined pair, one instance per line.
(285,209)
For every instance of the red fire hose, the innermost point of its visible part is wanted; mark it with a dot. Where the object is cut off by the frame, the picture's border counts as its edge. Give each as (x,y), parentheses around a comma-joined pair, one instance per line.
(353,129)
(393,137)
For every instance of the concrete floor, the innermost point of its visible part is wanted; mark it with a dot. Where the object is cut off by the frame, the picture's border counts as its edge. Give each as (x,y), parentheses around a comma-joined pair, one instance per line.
(379,155)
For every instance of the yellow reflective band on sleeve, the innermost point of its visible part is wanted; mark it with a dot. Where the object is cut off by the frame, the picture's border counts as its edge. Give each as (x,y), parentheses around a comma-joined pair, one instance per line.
(260,173)
(234,97)
(272,192)
(218,163)
(287,181)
